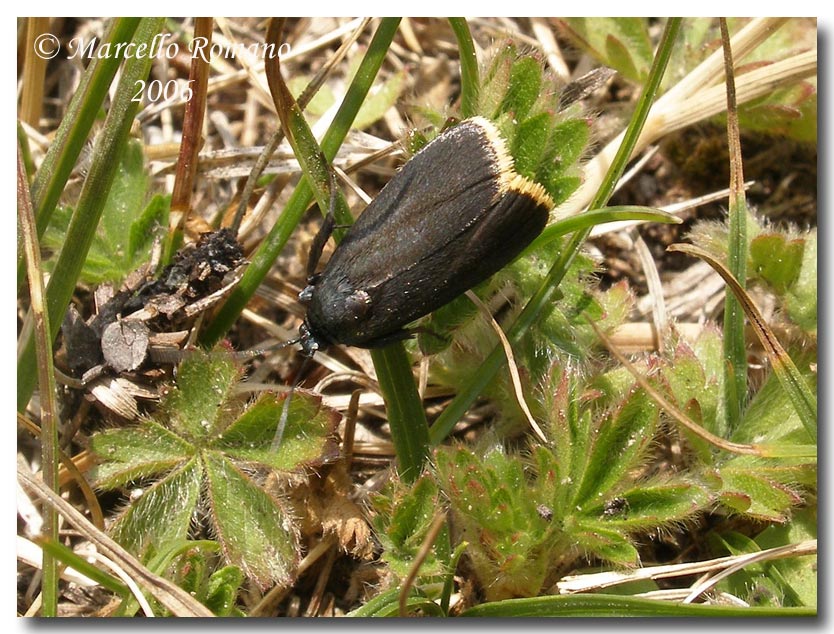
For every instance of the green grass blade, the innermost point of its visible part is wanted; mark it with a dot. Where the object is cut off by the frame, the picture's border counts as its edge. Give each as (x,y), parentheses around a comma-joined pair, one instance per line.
(387,604)
(25,151)
(735,343)
(81,565)
(46,378)
(308,153)
(590,219)
(406,417)
(469,82)
(602,605)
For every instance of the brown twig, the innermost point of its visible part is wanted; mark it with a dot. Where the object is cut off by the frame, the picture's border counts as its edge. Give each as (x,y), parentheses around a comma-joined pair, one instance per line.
(192,131)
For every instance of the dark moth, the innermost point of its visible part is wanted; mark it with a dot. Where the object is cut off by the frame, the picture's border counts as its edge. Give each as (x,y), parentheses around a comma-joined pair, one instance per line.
(455,214)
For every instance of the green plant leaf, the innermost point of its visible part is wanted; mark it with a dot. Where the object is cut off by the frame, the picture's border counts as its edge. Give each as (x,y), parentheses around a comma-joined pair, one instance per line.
(796,576)
(801,300)
(568,141)
(621,43)
(321,101)
(697,392)
(592,218)
(150,224)
(379,100)
(309,436)
(567,427)
(769,500)
(254,531)
(132,453)
(514,536)
(523,89)
(784,581)
(191,572)
(435,334)
(153,521)
(530,143)
(223,588)
(776,259)
(771,415)
(161,561)
(606,543)
(798,387)
(789,111)
(621,441)
(198,408)
(654,504)
(545,140)
(403,516)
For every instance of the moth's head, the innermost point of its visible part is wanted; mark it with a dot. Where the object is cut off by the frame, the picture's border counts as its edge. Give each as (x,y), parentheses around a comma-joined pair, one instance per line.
(309,340)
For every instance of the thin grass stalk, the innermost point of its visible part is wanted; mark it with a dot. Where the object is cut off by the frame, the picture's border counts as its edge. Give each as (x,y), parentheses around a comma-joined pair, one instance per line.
(404,408)
(612,605)
(469,81)
(595,217)
(25,153)
(547,291)
(314,166)
(34,70)
(46,378)
(735,346)
(795,385)
(82,228)
(275,139)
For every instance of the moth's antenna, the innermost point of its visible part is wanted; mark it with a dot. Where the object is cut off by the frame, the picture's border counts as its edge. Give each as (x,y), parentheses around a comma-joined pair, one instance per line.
(257,352)
(285,410)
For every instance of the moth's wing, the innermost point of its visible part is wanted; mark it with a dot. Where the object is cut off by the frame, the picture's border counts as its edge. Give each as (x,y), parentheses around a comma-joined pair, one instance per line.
(512,222)
(440,192)
(506,227)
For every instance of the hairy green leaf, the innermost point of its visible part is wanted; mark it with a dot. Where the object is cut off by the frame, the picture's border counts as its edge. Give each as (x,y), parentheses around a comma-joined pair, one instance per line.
(162,515)
(309,436)
(132,453)
(255,532)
